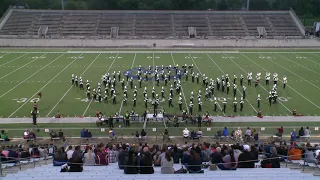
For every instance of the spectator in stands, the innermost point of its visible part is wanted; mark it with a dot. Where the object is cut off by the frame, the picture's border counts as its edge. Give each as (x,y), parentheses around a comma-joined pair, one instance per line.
(131,163)
(122,156)
(88,134)
(230,161)
(176,155)
(206,152)
(186,133)
(32,135)
(76,162)
(137,134)
(275,159)
(12,155)
(280,132)
(101,156)
(293,135)
(216,157)
(254,152)
(225,132)
(248,133)
(307,132)
(61,136)
(24,154)
(295,153)
(83,133)
(69,153)
(309,155)
(301,132)
(4,135)
(53,134)
(167,164)
(26,134)
(185,156)
(195,163)
(60,157)
(89,157)
(245,158)
(146,166)
(113,154)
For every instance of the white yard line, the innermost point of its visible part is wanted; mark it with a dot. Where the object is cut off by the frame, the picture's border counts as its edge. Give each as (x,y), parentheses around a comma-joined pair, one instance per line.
(85,111)
(314,61)
(261,85)
(72,85)
(281,81)
(298,64)
(134,59)
(153,69)
(5,54)
(44,85)
(201,76)
(225,73)
(20,67)
(32,75)
(293,72)
(15,59)
(174,63)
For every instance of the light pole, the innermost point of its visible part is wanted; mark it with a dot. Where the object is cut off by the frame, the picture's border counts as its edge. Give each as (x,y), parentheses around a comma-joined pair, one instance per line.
(62,4)
(248,2)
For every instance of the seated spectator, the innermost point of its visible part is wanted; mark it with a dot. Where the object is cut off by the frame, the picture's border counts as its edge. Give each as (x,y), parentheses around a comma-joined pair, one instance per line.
(25,154)
(143,133)
(230,162)
(32,135)
(89,157)
(307,132)
(61,136)
(88,134)
(301,132)
(199,133)
(245,158)
(113,154)
(293,135)
(131,163)
(309,155)
(186,133)
(225,132)
(185,156)
(53,134)
(76,162)
(193,135)
(195,163)
(295,153)
(167,164)
(60,157)
(254,152)
(216,157)
(146,166)
(35,153)
(122,156)
(101,156)
(83,133)
(69,153)
(112,134)
(26,134)
(12,155)
(4,135)
(248,133)
(275,159)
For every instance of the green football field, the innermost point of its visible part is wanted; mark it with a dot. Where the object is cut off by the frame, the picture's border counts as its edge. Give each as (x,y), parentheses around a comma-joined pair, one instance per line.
(25,72)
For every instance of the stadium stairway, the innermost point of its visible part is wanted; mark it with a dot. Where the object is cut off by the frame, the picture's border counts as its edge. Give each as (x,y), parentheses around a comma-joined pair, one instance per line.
(112,172)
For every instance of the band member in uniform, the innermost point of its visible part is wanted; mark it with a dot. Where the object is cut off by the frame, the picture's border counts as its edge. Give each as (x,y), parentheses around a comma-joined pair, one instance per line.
(114,101)
(72,79)
(215,104)
(234,90)
(284,82)
(146,101)
(258,100)
(235,105)
(234,78)
(40,95)
(224,105)
(190,107)
(241,104)
(241,80)
(170,101)
(244,92)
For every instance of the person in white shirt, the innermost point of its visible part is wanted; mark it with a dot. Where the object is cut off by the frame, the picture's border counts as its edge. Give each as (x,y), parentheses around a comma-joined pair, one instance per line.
(307,132)
(69,152)
(186,133)
(248,133)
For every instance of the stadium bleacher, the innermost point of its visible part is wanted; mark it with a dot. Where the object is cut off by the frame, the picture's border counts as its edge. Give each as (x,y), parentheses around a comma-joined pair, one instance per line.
(113,172)
(150,24)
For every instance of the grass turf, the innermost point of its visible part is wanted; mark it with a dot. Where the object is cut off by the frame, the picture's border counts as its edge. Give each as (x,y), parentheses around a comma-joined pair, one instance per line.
(23,75)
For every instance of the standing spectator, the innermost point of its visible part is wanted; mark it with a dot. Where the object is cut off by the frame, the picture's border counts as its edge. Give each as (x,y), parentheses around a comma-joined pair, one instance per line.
(146,164)
(61,136)
(280,132)
(216,157)
(293,135)
(122,155)
(143,133)
(245,159)
(309,155)
(83,133)
(225,132)
(113,154)
(69,152)
(60,157)
(89,157)
(167,164)
(275,159)
(131,163)
(101,156)
(32,135)
(307,132)
(301,132)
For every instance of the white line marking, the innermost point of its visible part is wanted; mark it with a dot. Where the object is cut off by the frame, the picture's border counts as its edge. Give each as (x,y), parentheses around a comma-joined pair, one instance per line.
(293,72)
(260,86)
(153,68)
(281,81)
(72,85)
(85,111)
(306,67)
(42,87)
(31,75)
(20,67)
(314,61)
(201,75)
(134,59)
(174,63)
(13,59)
(224,73)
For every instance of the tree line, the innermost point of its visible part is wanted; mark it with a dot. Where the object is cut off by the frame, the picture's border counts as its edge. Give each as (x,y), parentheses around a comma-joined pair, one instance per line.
(304,8)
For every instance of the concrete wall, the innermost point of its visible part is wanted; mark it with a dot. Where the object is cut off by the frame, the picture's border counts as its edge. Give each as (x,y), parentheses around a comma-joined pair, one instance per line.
(160,43)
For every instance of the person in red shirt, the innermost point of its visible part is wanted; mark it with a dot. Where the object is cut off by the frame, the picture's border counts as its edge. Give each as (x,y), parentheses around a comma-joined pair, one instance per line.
(58,115)
(280,131)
